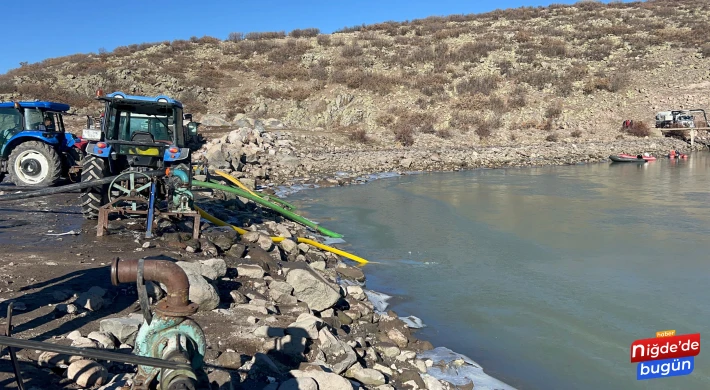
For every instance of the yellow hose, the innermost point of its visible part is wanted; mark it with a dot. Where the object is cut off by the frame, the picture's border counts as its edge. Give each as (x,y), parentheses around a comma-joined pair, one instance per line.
(316,244)
(235,181)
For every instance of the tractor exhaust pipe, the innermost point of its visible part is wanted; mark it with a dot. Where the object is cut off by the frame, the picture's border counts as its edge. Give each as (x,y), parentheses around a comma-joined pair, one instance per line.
(176,304)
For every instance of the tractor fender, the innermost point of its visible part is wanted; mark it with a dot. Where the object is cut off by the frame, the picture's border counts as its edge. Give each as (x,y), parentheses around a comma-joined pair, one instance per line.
(182,154)
(25,136)
(92,149)
(71,140)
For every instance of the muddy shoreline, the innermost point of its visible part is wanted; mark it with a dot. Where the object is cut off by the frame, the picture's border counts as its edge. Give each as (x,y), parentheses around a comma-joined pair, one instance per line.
(357,167)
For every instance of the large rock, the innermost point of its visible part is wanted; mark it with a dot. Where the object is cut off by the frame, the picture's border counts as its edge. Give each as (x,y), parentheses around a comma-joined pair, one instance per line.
(201,291)
(351,273)
(312,289)
(325,380)
(304,383)
(87,373)
(367,376)
(222,236)
(238,136)
(124,329)
(213,120)
(307,325)
(213,269)
(339,355)
(250,271)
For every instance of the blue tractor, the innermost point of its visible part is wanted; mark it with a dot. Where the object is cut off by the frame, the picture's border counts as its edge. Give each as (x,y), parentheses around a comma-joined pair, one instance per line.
(35,149)
(137,134)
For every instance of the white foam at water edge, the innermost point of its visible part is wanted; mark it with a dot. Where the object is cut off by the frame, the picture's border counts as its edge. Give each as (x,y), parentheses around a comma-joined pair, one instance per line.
(460,370)
(333,240)
(413,322)
(379,300)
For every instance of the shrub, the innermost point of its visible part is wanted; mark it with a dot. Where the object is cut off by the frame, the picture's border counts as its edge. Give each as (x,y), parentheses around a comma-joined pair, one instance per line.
(518,99)
(477,84)
(351,50)
(404,135)
(444,133)
(538,78)
(618,81)
(323,40)
(359,135)
(474,51)
(427,128)
(638,129)
(235,37)
(553,47)
(554,111)
(552,137)
(305,33)
(208,40)
(258,36)
(705,50)
(292,50)
(576,134)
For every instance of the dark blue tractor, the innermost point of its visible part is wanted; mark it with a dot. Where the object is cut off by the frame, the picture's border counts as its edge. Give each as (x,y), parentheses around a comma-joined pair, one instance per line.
(138,134)
(35,149)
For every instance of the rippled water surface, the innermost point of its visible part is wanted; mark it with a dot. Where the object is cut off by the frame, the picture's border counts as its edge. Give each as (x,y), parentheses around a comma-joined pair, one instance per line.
(544,276)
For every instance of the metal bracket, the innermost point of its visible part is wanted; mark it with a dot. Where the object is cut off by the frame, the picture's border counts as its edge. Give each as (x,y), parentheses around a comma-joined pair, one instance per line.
(143,293)
(151,206)
(13,356)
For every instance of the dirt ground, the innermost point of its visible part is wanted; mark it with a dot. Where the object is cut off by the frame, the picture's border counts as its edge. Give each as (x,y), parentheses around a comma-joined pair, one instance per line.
(34,265)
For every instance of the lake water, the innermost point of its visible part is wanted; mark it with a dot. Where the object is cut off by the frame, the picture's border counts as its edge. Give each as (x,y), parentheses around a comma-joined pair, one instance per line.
(544,276)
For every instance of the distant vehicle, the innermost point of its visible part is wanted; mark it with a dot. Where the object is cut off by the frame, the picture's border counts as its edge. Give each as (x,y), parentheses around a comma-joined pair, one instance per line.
(35,149)
(678,118)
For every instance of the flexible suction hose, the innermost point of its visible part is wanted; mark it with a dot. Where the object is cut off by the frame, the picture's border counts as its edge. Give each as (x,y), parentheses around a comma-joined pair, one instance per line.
(316,244)
(288,214)
(71,187)
(263,196)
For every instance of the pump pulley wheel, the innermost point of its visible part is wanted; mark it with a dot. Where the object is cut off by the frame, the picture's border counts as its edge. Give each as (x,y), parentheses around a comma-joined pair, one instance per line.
(134,186)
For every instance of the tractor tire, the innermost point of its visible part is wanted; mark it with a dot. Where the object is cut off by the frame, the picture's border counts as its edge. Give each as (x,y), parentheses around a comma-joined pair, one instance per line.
(34,164)
(92,198)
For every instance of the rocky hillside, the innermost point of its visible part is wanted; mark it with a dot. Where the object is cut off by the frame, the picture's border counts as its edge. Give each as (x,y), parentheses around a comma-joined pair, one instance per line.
(512,76)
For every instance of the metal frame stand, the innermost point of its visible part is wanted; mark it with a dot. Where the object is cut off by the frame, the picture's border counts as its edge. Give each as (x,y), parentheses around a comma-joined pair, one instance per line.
(150,214)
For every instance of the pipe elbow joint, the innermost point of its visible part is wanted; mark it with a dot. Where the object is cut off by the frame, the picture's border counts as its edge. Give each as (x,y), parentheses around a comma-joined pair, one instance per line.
(177,303)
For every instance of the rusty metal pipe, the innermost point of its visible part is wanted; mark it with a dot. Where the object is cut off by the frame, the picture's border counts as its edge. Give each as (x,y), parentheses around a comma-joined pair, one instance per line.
(160,271)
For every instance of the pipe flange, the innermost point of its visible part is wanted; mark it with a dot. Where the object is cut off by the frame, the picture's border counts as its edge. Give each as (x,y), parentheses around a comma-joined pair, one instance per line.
(114,271)
(163,308)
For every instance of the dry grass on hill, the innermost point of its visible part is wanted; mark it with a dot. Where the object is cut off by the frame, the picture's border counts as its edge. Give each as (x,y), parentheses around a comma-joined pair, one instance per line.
(516,75)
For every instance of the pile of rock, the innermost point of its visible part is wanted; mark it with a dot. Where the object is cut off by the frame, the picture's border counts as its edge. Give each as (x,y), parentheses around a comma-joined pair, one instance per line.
(281,316)
(252,154)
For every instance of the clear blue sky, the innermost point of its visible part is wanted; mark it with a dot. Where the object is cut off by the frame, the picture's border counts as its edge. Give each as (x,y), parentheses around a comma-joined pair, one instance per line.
(35,30)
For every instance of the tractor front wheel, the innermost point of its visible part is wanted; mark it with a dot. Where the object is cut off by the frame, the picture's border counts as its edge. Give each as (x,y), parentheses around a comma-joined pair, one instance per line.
(34,164)
(92,198)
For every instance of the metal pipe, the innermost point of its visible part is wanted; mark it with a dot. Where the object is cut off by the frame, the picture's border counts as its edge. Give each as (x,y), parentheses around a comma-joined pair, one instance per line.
(93,353)
(162,271)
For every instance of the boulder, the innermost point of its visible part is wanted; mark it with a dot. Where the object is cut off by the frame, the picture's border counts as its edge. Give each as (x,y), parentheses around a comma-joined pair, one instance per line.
(312,289)
(124,329)
(87,373)
(325,380)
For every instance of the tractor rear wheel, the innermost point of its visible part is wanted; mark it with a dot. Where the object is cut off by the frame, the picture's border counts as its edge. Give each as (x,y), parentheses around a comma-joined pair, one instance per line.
(92,198)
(34,164)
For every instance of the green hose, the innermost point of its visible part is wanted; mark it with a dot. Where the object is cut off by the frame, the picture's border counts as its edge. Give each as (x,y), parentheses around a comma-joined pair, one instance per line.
(267,197)
(288,214)
(282,202)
